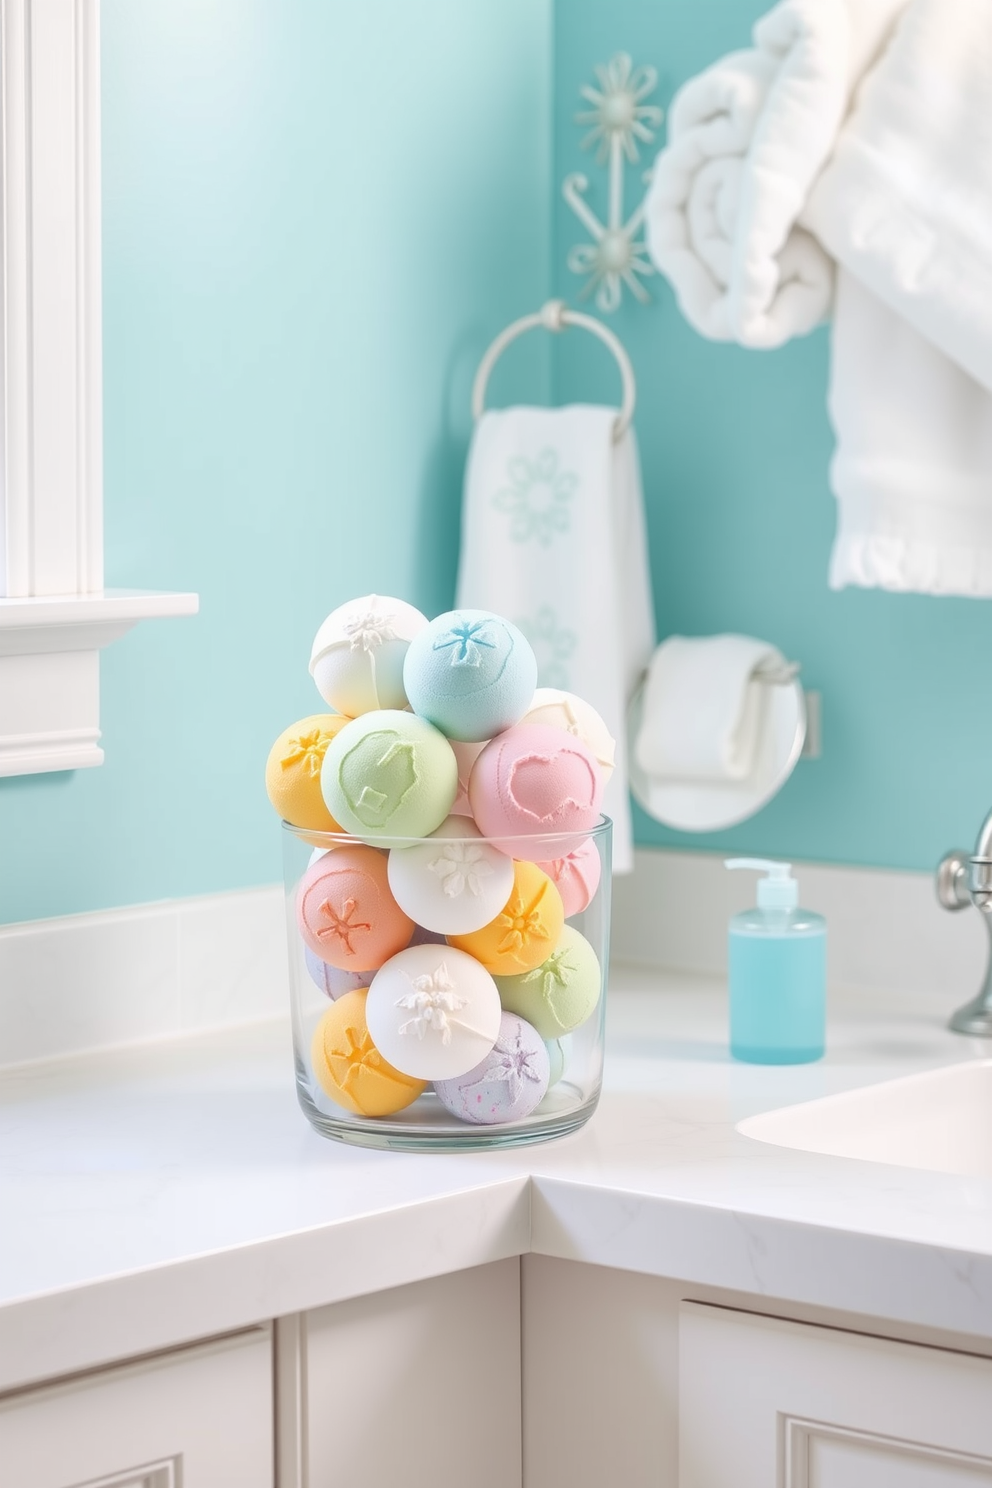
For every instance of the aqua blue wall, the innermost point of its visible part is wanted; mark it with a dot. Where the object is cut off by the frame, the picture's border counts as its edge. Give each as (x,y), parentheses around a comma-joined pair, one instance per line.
(735,447)
(316,215)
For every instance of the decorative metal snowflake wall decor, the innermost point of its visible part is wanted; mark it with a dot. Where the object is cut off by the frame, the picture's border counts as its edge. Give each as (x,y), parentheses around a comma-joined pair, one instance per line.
(619,118)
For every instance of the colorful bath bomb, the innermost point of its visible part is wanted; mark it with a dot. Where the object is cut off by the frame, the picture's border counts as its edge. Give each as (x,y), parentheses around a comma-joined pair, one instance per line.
(526,930)
(433,1011)
(346,912)
(389,774)
(554,708)
(349,1068)
(507,1084)
(471,673)
(465,757)
(559,994)
(454,882)
(292,771)
(576,876)
(358,654)
(558,1055)
(331,980)
(532,780)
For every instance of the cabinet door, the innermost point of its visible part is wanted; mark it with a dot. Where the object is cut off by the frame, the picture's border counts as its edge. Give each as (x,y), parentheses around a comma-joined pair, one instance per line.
(193,1418)
(418,1385)
(764,1402)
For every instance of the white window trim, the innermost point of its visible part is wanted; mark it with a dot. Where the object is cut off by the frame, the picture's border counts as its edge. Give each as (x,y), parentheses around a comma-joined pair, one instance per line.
(55,615)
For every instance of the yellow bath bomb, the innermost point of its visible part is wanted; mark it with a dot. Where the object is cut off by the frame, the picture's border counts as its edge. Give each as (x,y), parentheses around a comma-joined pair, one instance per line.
(292,771)
(348,1066)
(526,930)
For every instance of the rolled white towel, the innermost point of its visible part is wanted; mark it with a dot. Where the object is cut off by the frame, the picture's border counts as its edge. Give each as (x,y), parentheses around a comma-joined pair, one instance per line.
(704,708)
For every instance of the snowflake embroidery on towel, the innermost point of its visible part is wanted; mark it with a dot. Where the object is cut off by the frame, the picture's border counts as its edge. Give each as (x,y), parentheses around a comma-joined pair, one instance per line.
(509,1062)
(341,924)
(553,645)
(538,496)
(432,1002)
(308,751)
(466,640)
(461,866)
(368,629)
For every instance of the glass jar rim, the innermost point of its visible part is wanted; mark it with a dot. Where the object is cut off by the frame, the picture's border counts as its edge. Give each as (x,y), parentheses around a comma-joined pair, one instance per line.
(506,842)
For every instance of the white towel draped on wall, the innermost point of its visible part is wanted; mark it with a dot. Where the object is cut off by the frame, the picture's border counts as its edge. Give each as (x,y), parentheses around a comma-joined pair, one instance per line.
(553,538)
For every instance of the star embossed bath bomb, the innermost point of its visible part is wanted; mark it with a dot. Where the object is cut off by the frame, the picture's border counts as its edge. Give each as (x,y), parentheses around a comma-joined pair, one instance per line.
(526,930)
(507,1084)
(389,775)
(562,992)
(292,771)
(350,1069)
(358,653)
(346,912)
(471,673)
(453,882)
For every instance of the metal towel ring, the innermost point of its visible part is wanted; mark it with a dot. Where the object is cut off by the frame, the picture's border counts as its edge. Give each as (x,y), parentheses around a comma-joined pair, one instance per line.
(555,316)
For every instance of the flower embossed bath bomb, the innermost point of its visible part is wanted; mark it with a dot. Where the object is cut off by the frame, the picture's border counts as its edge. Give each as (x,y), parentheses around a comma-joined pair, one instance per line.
(350,1069)
(453,882)
(525,931)
(358,654)
(534,780)
(554,708)
(389,774)
(433,1011)
(562,992)
(576,876)
(471,673)
(507,1084)
(292,771)
(346,911)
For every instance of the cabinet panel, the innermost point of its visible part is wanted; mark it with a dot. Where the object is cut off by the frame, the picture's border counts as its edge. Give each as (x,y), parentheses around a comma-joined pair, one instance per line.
(197,1417)
(763,1401)
(418,1385)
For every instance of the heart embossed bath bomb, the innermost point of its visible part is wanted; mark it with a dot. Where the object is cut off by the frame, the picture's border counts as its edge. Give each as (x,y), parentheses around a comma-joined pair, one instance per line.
(535,781)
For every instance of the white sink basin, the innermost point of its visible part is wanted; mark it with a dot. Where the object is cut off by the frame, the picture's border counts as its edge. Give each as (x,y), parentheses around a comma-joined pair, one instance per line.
(940,1121)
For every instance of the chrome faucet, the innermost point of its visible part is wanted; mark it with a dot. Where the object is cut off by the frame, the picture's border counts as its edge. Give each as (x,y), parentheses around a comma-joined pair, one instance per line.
(964,880)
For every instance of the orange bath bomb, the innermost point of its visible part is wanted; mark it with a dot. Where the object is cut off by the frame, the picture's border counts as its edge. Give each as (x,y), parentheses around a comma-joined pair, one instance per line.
(349,1068)
(292,771)
(526,930)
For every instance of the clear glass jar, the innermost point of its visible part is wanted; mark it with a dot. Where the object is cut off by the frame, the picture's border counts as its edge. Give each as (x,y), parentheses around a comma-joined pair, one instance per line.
(426,1124)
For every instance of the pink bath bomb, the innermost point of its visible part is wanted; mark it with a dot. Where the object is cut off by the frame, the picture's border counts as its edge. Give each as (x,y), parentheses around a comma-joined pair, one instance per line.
(577,876)
(466,756)
(535,781)
(346,911)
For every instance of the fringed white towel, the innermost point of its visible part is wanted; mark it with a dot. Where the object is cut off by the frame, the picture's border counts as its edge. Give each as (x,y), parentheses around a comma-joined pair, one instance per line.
(553,538)
(746,140)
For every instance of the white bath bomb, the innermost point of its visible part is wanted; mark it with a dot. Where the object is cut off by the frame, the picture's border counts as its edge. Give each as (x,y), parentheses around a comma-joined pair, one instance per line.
(433,1012)
(454,882)
(563,710)
(358,654)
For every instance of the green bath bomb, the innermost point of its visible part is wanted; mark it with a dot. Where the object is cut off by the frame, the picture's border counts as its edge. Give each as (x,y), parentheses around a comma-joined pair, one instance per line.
(390,775)
(559,994)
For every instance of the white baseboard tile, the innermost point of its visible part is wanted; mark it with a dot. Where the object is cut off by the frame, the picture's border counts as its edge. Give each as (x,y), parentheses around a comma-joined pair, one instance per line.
(885,929)
(123,976)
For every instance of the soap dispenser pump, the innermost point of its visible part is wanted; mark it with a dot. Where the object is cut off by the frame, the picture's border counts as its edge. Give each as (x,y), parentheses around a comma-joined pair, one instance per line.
(777,972)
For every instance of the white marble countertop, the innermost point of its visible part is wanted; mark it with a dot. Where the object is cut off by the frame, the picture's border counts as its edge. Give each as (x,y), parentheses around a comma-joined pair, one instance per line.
(172,1191)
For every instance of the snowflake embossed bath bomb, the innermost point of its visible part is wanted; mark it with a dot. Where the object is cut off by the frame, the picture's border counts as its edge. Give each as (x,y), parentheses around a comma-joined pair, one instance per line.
(358,654)
(453,882)
(562,992)
(507,1084)
(433,1011)
(471,673)
(389,775)
(346,912)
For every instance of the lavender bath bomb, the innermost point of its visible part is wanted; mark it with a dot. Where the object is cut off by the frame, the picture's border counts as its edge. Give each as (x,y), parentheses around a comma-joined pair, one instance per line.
(507,1084)
(470,673)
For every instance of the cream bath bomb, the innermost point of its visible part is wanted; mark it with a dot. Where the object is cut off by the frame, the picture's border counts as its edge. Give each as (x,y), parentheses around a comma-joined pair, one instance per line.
(504,1086)
(471,673)
(292,771)
(454,882)
(358,654)
(533,781)
(346,912)
(554,708)
(433,1011)
(561,993)
(465,757)
(525,931)
(389,774)
(350,1069)
(576,876)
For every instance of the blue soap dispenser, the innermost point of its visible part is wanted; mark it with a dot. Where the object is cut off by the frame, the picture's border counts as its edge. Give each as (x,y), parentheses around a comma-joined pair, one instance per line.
(777,969)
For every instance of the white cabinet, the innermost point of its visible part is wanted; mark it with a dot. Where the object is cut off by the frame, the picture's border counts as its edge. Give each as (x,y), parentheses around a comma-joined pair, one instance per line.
(196,1417)
(418,1385)
(763,1401)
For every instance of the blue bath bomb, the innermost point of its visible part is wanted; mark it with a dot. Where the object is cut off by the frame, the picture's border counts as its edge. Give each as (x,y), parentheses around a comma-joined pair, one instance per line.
(470,673)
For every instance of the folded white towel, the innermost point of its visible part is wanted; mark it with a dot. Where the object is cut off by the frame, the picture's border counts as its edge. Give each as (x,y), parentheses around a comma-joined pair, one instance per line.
(553,538)
(704,707)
